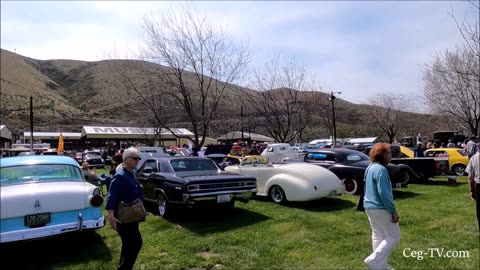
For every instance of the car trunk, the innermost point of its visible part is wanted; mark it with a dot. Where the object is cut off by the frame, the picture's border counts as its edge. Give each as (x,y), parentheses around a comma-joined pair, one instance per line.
(25,199)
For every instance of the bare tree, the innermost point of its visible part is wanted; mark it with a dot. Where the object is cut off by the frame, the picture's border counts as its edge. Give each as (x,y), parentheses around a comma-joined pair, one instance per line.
(198,64)
(279,104)
(387,113)
(452,82)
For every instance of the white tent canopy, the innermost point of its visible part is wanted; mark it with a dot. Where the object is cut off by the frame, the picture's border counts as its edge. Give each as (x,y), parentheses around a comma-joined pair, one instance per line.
(324,141)
(5,133)
(52,135)
(237,135)
(363,140)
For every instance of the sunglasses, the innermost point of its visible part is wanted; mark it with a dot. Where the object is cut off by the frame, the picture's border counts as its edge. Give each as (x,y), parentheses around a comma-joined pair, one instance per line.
(135,158)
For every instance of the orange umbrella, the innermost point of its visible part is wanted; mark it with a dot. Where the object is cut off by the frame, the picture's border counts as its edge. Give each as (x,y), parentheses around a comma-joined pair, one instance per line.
(60,143)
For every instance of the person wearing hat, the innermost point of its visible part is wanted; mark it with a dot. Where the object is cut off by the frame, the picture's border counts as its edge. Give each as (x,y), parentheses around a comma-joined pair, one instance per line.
(125,188)
(418,151)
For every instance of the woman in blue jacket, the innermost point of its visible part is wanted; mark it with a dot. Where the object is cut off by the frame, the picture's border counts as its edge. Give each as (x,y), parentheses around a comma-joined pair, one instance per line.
(380,208)
(124,187)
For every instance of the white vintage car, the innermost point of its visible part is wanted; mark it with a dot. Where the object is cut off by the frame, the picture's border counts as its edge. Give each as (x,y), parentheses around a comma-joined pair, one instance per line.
(44,196)
(290,182)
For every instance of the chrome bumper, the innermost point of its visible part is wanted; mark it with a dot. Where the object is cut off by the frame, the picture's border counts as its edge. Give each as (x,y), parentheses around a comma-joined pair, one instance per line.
(27,234)
(212,196)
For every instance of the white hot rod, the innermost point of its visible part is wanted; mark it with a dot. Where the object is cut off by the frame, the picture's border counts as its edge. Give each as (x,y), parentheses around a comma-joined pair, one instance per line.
(290,182)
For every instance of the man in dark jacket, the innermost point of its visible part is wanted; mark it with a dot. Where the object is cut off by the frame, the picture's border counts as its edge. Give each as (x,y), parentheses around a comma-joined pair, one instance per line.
(418,151)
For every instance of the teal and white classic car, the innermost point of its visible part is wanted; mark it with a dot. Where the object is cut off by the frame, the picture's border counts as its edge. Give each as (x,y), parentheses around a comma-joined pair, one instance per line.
(43,196)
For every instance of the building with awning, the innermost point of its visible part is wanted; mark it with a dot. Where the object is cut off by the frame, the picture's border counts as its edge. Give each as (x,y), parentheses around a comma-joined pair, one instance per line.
(72,140)
(97,136)
(235,136)
(113,137)
(5,137)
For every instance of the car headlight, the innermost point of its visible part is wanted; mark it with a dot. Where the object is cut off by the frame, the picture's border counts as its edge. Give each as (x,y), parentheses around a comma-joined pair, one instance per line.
(193,187)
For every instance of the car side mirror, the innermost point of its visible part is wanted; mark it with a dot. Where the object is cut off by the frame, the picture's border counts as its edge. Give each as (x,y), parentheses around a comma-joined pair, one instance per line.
(86,177)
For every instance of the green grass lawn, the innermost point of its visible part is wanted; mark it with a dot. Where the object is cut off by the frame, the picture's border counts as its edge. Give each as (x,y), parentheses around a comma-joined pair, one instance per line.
(324,234)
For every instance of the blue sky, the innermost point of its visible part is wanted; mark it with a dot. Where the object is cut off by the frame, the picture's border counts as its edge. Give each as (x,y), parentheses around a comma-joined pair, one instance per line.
(358,48)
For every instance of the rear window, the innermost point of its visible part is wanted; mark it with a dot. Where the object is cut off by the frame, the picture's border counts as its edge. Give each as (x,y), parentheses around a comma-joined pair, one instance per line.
(320,156)
(356,157)
(93,155)
(39,173)
(193,164)
(462,152)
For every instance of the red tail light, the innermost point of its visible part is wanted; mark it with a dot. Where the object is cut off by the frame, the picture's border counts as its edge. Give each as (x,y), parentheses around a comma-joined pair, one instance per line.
(96,200)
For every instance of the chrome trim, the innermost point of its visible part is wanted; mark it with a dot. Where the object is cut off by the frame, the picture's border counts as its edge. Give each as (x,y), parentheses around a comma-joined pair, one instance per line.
(195,195)
(80,221)
(246,195)
(48,231)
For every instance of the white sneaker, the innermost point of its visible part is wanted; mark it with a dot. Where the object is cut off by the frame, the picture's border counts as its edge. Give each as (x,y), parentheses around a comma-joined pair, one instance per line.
(369,264)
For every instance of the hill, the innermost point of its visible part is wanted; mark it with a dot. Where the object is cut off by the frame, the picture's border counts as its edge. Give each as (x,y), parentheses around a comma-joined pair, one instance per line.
(68,94)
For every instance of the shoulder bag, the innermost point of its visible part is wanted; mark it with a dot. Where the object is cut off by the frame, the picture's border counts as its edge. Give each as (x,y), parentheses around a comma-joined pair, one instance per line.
(131,212)
(360,206)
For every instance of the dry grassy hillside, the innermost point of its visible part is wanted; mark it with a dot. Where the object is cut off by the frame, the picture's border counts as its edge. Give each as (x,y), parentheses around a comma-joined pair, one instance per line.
(20,79)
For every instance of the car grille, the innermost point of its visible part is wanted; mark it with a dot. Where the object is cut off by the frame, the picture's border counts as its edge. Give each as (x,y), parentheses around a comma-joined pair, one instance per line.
(222,186)
(95,161)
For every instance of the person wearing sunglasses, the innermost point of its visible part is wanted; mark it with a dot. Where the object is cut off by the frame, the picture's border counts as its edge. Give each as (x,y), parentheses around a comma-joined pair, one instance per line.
(125,188)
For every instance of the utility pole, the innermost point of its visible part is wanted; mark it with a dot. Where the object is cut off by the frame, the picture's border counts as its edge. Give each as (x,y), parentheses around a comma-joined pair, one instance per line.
(332,99)
(31,123)
(241,120)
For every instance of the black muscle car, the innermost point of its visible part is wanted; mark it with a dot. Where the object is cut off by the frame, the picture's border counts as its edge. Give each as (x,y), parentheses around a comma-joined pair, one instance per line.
(190,181)
(93,158)
(349,165)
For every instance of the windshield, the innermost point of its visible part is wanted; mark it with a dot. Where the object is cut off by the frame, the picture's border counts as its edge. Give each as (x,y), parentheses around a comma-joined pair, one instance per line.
(39,173)
(193,164)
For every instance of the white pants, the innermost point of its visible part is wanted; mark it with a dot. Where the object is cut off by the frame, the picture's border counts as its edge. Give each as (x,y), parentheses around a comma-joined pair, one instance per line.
(385,235)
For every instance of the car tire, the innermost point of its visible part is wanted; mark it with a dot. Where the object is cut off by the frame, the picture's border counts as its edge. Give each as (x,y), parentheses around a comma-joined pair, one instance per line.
(406,178)
(458,169)
(277,194)
(163,206)
(351,186)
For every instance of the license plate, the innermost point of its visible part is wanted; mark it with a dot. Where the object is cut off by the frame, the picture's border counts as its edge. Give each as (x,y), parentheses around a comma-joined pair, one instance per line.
(398,185)
(332,193)
(223,198)
(37,219)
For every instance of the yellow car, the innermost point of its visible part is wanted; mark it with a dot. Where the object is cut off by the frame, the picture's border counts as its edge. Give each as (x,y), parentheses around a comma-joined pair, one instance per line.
(456,158)
(407,152)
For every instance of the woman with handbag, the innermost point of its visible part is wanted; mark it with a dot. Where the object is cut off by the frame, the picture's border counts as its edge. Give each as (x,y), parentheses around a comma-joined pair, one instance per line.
(125,190)
(380,208)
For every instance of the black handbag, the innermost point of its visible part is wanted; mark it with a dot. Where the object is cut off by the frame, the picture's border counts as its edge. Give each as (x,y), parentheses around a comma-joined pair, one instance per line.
(360,202)
(360,206)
